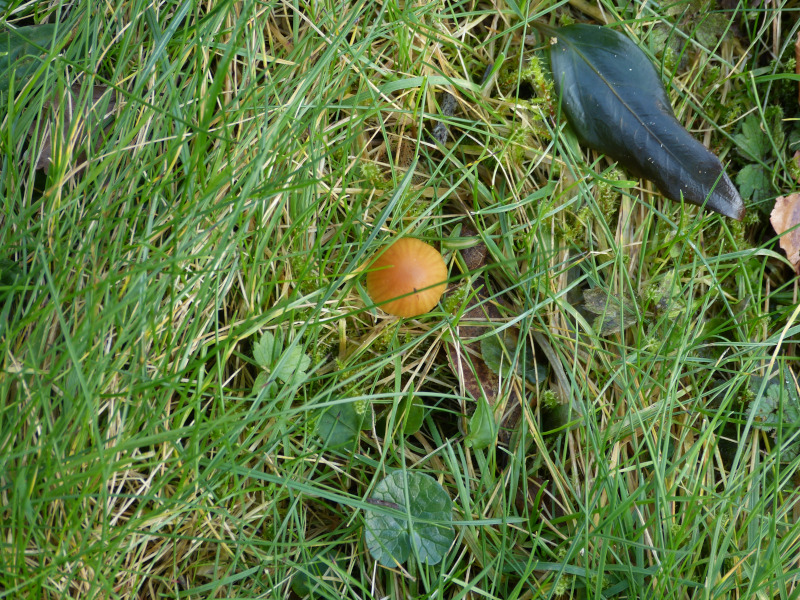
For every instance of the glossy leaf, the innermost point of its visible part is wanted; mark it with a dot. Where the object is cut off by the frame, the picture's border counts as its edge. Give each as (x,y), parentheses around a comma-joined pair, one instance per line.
(615,101)
(391,538)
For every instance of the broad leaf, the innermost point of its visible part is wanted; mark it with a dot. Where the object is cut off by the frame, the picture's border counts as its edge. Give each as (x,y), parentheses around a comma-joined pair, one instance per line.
(615,101)
(294,366)
(390,539)
(20,53)
(291,367)
(754,182)
(340,425)
(753,142)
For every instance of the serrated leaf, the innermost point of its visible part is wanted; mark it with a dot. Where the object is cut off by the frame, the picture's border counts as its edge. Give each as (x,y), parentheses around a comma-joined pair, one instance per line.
(615,101)
(614,314)
(752,142)
(391,539)
(779,405)
(263,350)
(482,427)
(754,182)
(293,365)
(777,411)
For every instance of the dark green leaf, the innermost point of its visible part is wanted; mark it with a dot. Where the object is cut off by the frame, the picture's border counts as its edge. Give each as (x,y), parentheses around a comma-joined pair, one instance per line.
(559,419)
(391,538)
(339,425)
(497,354)
(754,182)
(780,403)
(19,51)
(412,414)
(309,579)
(614,314)
(752,141)
(615,101)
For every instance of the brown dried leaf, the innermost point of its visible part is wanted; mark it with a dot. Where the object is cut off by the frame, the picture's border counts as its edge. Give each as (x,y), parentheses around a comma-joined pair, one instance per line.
(785,216)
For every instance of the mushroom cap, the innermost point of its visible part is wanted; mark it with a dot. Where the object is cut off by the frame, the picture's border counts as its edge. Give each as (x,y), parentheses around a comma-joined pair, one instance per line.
(408,278)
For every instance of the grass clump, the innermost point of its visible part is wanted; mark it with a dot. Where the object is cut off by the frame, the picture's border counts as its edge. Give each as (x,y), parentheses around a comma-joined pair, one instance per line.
(220,173)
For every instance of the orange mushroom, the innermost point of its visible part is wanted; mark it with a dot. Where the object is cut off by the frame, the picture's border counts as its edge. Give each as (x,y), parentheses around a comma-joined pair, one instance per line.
(408,278)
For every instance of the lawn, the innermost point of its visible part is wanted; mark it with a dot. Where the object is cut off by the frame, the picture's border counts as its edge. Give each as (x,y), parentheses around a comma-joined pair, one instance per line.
(200,399)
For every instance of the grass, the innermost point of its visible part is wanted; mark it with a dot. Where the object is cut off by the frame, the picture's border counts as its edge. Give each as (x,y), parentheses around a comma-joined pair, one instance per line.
(257,154)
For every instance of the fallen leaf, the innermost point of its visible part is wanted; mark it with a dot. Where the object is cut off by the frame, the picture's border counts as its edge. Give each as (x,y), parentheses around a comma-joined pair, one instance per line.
(615,101)
(785,216)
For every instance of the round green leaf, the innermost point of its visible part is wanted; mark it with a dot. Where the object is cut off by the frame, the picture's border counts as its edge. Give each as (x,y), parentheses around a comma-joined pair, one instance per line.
(391,539)
(339,425)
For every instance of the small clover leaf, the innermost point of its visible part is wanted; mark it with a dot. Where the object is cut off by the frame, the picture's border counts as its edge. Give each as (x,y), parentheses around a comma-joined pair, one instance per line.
(392,539)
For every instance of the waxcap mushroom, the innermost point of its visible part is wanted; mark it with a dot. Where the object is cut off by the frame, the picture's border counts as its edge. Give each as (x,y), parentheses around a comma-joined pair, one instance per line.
(407,278)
